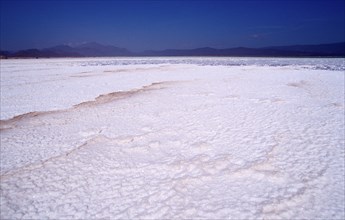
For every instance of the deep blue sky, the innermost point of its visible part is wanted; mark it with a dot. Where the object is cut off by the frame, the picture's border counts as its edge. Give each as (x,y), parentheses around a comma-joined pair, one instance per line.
(142,25)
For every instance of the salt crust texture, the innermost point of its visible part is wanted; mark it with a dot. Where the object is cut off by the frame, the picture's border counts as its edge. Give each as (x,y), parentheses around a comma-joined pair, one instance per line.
(172,138)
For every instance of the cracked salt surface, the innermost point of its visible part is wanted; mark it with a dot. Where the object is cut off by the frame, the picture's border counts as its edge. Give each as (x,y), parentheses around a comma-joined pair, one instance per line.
(171,140)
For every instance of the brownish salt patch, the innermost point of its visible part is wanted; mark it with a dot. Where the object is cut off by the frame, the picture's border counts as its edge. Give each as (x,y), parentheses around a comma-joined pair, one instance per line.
(299,84)
(101,99)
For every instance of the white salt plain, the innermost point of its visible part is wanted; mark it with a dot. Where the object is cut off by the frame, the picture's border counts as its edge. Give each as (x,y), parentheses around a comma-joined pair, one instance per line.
(172,138)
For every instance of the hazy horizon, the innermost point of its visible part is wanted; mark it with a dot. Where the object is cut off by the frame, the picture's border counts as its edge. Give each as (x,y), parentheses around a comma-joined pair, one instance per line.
(138,51)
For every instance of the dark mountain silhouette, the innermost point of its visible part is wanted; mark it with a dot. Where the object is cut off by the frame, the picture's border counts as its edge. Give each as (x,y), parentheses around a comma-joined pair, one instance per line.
(98,50)
(238,51)
(95,49)
(34,53)
(83,50)
(335,48)
(63,51)
(4,53)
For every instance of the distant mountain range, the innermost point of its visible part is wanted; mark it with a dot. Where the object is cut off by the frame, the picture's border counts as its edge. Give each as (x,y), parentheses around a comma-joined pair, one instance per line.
(99,50)
(83,50)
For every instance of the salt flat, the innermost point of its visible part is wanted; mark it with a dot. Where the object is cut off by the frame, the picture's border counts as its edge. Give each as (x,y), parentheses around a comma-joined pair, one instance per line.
(172,138)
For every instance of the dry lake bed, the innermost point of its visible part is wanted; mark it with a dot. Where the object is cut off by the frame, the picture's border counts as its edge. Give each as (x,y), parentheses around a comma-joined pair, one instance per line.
(172,138)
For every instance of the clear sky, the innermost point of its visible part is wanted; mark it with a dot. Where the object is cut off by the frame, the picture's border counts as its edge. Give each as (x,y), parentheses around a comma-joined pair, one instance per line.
(142,25)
